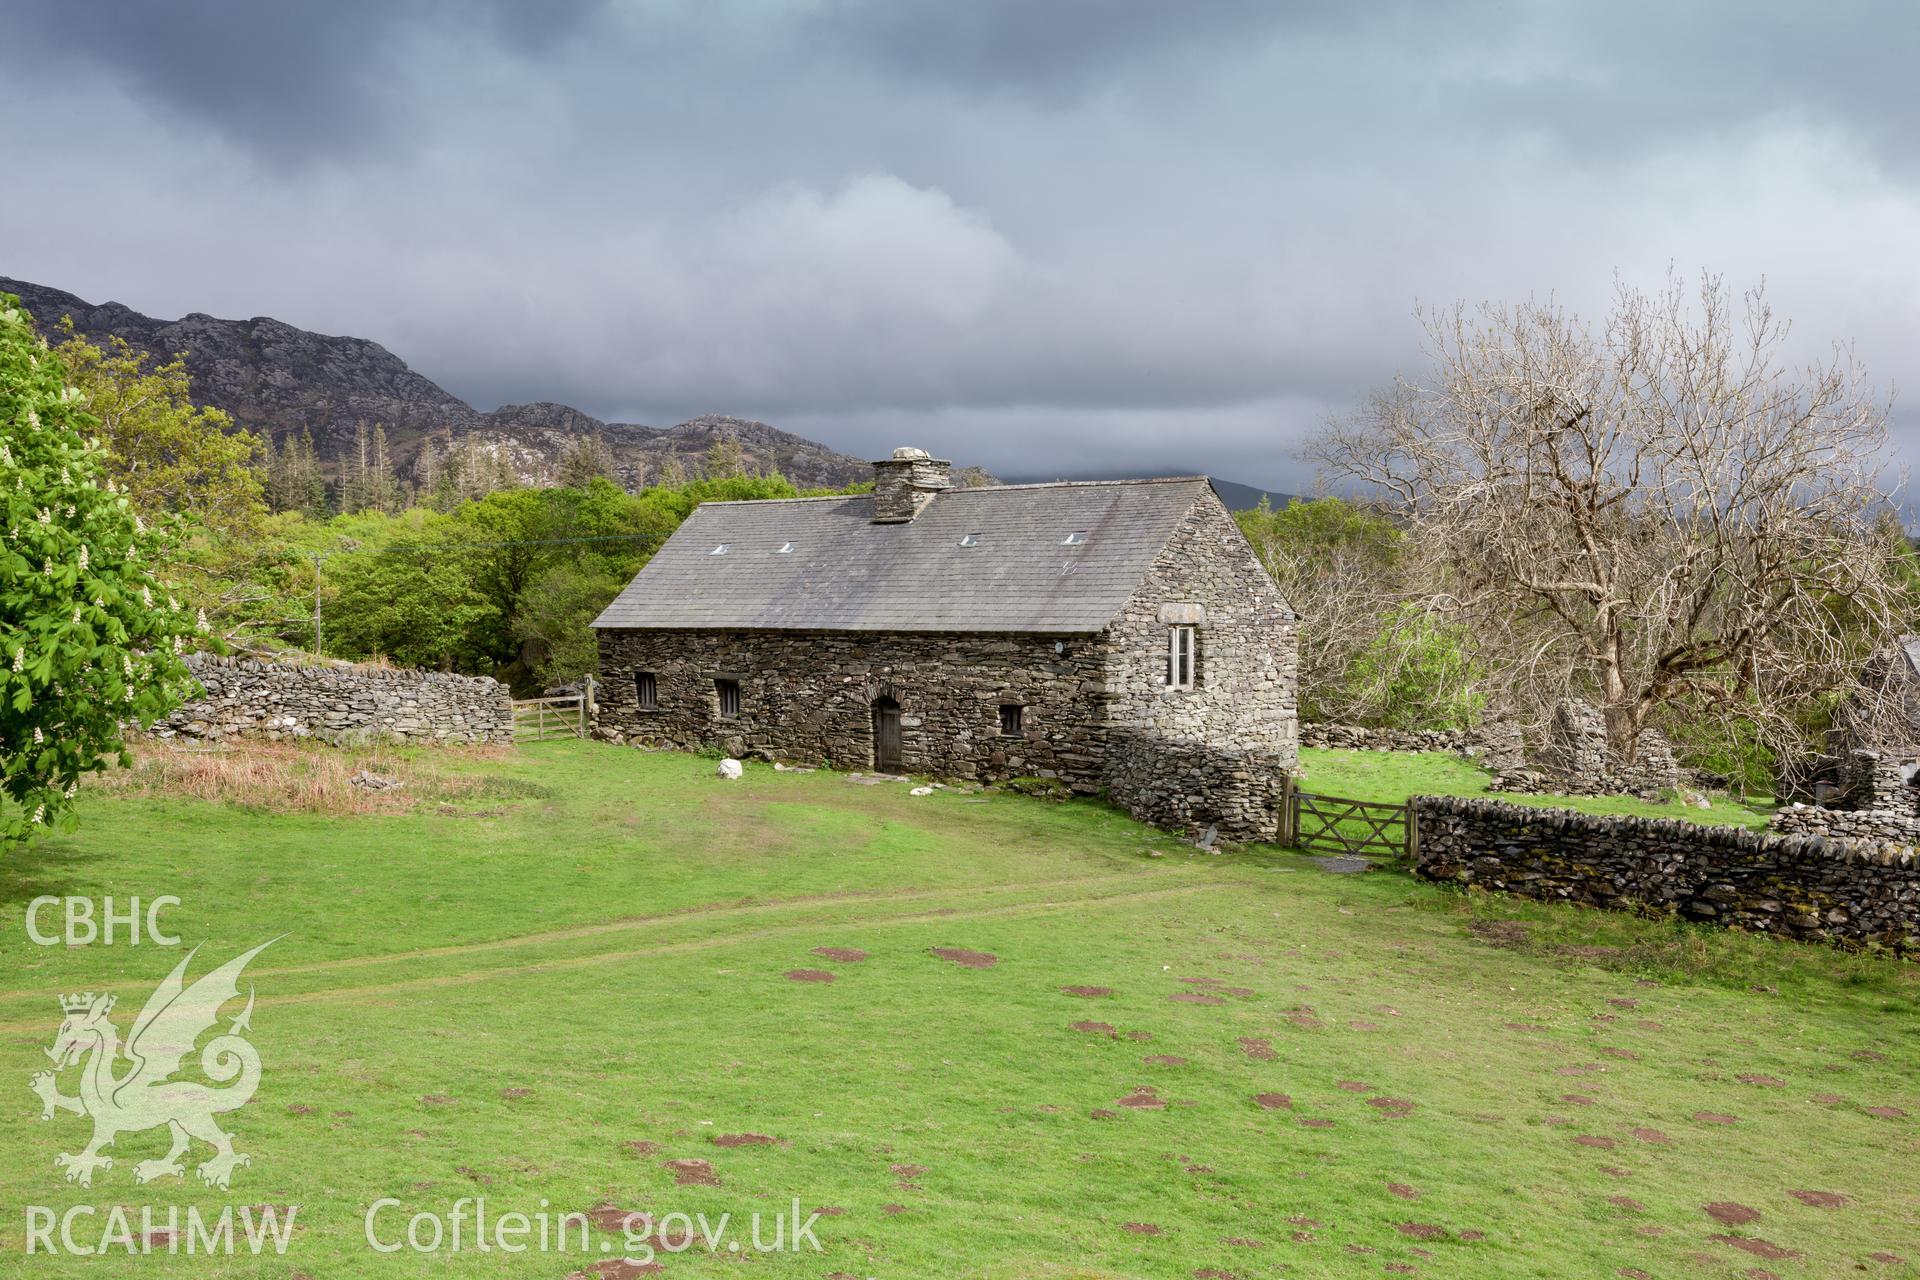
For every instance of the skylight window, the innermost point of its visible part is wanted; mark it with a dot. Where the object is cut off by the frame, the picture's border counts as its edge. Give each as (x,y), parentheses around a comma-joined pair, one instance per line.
(786,549)
(1078,538)
(971,540)
(721,550)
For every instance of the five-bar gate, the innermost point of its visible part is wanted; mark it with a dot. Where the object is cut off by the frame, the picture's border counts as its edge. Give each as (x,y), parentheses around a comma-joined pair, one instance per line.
(537,719)
(1348,828)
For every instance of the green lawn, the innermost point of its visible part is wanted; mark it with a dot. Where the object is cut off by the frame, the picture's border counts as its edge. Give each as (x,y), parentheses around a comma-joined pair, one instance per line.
(1393,776)
(566,966)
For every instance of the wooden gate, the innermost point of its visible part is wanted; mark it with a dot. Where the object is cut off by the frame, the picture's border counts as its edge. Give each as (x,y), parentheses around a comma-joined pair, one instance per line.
(537,719)
(1349,828)
(886,736)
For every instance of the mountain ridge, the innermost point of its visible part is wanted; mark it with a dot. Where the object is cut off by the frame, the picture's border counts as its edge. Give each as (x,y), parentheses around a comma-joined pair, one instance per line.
(279,380)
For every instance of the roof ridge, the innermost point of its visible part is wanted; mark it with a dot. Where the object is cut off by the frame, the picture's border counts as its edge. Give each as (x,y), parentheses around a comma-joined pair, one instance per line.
(762,502)
(1079,484)
(978,488)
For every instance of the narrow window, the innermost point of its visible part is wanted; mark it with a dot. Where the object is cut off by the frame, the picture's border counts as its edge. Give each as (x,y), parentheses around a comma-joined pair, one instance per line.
(720,550)
(1075,539)
(1010,719)
(729,691)
(648,689)
(1180,657)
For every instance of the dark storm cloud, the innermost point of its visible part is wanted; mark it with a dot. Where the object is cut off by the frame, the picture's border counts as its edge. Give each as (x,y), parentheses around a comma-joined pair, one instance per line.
(1062,45)
(288,81)
(1034,234)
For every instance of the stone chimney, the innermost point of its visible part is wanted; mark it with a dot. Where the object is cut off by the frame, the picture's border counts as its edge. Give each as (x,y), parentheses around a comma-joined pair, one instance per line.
(904,484)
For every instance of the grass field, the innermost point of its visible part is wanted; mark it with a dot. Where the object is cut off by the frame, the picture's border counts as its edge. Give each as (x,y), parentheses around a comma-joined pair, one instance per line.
(575,975)
(1393,776)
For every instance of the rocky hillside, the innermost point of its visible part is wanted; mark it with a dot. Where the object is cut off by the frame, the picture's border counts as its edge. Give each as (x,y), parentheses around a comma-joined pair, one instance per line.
(279,380)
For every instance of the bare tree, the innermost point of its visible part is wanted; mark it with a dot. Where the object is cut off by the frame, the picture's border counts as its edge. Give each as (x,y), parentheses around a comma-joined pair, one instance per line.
(1660,515)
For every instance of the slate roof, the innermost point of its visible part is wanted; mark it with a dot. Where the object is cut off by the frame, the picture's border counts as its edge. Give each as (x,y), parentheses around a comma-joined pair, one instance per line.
(846,573)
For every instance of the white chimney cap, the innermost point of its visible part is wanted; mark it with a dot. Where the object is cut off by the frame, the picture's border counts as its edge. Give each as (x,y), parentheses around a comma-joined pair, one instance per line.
(907,452)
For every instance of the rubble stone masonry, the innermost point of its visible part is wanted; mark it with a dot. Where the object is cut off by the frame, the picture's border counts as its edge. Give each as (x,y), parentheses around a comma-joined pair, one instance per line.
(1806,887)
(247,697)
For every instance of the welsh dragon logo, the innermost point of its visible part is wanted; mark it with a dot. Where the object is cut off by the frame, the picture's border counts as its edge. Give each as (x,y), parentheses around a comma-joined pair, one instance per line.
(144,1096)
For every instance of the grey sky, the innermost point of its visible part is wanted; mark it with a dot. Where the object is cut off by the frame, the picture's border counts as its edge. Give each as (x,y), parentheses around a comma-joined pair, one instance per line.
(1086,235)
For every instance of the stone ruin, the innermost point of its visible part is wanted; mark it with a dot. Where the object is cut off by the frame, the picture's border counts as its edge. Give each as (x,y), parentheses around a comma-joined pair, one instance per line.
(1860,794)
(1571,758)
(1574,758)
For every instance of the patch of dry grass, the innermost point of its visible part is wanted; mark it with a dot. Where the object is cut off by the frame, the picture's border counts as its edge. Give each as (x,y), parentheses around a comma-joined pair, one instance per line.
(280,777)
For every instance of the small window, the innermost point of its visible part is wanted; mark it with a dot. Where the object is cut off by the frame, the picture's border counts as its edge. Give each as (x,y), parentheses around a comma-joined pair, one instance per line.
(1010,715)
(1180,657)
(786,549)
(1078,538)
(648,690)
(971,540)
(721,550)
(729,693)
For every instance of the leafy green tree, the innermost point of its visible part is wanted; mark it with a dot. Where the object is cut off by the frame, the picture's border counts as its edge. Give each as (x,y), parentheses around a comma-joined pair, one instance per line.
(554,624)
(163,451)
(1419,673)
(89,639)
(412,600)
(174,458)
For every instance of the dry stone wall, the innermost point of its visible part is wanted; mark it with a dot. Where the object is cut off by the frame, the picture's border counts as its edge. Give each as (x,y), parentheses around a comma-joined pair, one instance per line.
(1497,747)
(1326,735)
(247,697)
(1807,887)
(1857,824)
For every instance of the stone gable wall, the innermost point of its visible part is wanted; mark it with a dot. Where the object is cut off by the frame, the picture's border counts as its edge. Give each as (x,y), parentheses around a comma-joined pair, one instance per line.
(1213,755)
(807,697)
(1794,886)
(246,697)
(1245,687)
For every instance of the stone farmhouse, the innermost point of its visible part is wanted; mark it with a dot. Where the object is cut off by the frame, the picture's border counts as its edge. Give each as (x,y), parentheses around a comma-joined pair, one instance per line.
(1116,636)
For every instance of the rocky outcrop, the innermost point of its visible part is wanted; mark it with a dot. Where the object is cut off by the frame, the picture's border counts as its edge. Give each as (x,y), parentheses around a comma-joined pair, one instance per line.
(271,376)
(1807,887)
(279,380)
(341,704)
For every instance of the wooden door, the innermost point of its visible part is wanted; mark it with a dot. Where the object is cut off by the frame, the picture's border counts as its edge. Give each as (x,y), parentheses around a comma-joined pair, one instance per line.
(886,736)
